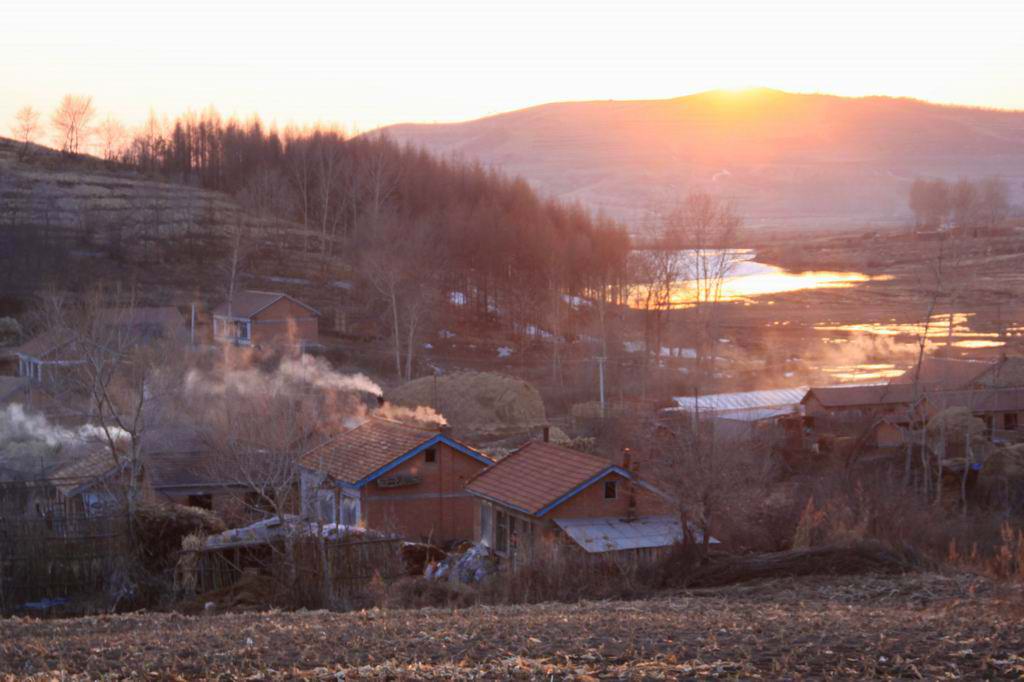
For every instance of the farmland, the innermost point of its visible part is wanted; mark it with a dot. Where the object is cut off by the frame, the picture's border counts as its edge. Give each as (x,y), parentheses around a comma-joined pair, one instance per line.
(926,625)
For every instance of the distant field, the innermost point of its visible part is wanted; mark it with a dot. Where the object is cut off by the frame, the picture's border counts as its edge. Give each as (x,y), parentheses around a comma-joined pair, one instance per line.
(926,626)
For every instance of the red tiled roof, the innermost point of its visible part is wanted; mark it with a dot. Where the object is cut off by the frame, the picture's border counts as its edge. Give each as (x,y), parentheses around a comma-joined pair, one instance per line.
(250,303)
(359,452)
(536,475)
(85,470)
(865,396)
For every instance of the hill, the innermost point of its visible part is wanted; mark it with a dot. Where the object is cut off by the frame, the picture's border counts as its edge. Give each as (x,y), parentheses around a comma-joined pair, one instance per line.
(797,158)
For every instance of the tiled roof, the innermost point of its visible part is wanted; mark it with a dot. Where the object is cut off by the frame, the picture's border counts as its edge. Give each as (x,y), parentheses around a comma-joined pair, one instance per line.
(250,303)
(537,475)
(980,400)
(357,453)
(84,471)
(865,396)
(1007,372)
(948,373)
(43,345)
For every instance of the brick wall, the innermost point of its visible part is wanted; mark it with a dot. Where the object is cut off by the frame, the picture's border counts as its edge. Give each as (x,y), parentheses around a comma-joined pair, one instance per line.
(284,323)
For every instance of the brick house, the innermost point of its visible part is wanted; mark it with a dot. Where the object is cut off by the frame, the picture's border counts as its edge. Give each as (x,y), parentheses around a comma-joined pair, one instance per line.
(393,477)
(543,493)
(263,319)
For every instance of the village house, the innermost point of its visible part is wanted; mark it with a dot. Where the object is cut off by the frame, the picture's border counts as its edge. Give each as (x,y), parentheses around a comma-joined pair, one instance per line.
(545,493)
(67,483)
(1002,409)
(263,319)
(45,358)
(393,477)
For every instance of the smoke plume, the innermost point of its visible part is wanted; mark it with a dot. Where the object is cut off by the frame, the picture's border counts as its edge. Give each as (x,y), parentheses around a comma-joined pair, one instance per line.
(19,426)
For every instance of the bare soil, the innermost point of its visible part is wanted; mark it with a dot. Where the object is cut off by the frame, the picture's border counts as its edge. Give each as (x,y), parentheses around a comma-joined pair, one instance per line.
(923,626)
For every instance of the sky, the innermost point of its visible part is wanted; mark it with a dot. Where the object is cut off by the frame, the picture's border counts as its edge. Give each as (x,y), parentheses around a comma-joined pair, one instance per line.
(363,64)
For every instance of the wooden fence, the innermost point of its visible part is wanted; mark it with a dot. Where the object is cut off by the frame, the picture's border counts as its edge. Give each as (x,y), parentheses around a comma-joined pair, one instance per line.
(59,558)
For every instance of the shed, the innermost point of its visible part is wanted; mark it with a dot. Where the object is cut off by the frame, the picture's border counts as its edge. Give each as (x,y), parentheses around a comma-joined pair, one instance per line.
(266,319)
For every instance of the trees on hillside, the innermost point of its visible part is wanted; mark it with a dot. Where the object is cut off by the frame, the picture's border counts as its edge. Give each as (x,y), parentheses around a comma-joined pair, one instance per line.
(27,128)
(72,123)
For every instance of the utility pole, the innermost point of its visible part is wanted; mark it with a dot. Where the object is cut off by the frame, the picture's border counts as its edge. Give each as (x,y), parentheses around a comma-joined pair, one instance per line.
(600,373)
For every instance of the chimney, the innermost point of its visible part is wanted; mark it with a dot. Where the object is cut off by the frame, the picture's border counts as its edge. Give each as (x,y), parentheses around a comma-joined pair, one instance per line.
(445,430)
(380,400)
(627,460)
(547,433)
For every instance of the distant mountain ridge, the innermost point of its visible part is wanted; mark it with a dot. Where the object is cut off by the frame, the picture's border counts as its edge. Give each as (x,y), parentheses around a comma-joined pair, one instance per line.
(782,158)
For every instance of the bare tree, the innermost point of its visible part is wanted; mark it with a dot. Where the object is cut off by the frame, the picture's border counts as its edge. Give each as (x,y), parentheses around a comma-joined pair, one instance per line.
(965,204)
(27,128)
(118,378)
(706,226)
(112,136)
(72,123)
(400,262)
(994,202)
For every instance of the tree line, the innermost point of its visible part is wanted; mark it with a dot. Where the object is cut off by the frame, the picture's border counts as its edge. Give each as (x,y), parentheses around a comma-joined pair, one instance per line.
(964,204)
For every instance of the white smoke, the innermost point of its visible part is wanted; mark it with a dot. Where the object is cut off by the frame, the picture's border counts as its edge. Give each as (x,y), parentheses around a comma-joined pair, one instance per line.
(302,373)
(19,426)
(421,414)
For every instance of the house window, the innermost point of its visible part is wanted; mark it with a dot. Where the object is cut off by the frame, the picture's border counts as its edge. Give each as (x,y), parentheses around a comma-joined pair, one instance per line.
(350,510)
(326,511)
(1010,421)
(485,525)
(430,455)
(201,501)
(501,532)
(242,330)
(610,490)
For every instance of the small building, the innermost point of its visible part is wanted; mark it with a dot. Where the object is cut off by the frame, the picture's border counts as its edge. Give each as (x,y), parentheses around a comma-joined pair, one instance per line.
(393,477)
(1002,409)
(949,374)
(863,400)
(46,357)
(543,493)
(142,324)
(263,319)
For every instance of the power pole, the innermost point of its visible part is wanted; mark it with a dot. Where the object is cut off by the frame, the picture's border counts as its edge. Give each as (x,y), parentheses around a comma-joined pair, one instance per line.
(600,373)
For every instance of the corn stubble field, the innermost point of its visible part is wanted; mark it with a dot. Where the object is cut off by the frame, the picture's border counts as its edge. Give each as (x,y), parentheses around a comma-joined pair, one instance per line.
(925,626)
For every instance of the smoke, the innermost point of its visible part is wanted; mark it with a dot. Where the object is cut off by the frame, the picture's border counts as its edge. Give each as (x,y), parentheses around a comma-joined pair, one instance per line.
(317,372)
(422,414)
(18,426)
(292,374)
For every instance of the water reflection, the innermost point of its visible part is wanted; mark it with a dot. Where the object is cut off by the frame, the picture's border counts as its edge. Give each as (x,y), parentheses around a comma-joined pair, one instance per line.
(941,329)
(748,279)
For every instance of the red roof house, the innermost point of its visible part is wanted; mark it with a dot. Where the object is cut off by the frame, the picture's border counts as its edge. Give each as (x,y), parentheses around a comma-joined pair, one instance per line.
(391,476)
(543,491)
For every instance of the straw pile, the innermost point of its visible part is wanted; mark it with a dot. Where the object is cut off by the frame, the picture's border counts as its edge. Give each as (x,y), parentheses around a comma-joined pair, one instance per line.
(481,403)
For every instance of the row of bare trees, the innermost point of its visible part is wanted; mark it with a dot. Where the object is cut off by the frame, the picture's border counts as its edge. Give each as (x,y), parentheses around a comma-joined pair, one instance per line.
(965,204)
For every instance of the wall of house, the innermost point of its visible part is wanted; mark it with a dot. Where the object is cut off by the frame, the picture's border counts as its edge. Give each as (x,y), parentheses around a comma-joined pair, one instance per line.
(592,503)
(436,508)
(285,323)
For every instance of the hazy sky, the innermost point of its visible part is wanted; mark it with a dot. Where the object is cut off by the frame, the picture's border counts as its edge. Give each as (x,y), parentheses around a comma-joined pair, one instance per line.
(364,64)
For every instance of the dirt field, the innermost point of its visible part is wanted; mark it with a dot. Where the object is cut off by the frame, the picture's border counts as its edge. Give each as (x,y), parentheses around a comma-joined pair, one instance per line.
(924,626)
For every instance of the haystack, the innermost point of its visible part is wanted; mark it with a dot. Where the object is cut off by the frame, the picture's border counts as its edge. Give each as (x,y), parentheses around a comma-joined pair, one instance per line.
(482,403)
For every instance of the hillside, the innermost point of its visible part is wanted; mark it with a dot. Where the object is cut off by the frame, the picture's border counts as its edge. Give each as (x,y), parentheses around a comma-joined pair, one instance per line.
(782,157)
(929,626)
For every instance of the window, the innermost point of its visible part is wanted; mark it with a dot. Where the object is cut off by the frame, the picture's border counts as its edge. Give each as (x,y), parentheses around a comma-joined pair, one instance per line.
(485,525)
(350,510)
(430,455)
(242,331)
(1010,421)
(610,490)
(201,501)
(325,506)
(501,532)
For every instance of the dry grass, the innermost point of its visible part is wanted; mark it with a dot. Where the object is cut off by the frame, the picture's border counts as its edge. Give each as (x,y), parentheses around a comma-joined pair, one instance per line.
(927,626)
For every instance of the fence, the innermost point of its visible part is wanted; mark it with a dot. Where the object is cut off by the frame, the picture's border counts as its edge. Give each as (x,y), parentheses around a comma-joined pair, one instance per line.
(311,570)
(60,558)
